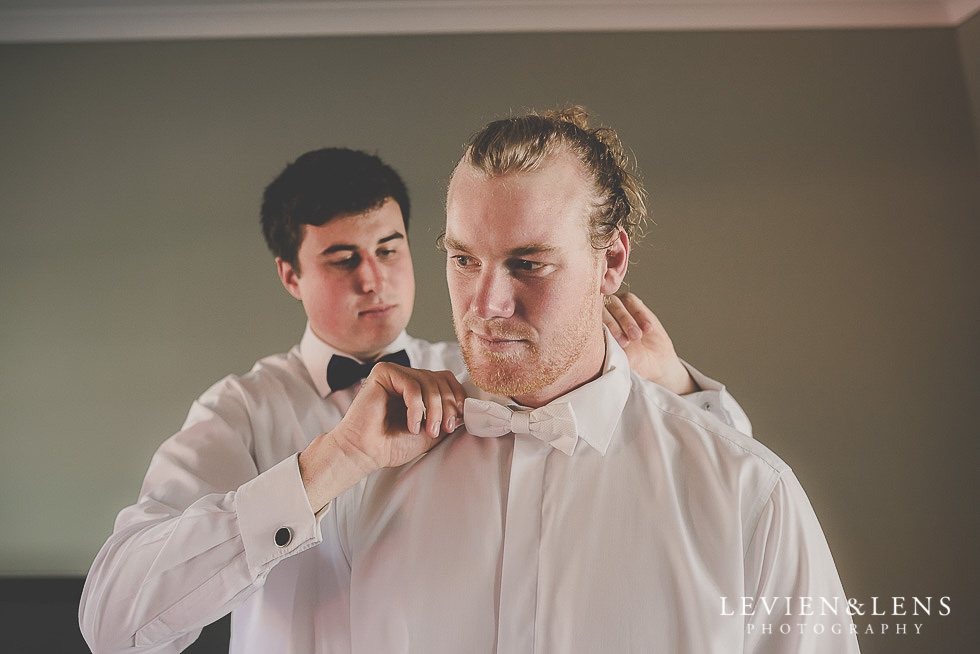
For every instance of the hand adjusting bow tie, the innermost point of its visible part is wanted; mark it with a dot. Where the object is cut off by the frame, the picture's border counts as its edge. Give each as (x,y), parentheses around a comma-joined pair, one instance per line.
(343,372)
(554,423)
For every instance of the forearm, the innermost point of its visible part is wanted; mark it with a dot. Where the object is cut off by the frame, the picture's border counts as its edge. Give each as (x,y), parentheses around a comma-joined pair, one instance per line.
(147,569)
(166,573)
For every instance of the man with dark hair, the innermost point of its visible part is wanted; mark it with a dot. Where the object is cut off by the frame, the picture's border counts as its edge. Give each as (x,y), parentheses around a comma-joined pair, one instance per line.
(320,185)
(337,222)
(224,520)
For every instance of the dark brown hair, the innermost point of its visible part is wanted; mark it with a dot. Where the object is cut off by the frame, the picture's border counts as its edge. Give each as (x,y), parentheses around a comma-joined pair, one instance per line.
(321,185)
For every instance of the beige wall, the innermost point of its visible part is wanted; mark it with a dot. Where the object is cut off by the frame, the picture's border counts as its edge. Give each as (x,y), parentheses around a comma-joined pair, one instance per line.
(816,206)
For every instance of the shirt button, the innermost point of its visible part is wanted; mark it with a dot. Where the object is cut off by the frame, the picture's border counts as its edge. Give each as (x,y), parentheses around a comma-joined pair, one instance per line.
(707,406)
(283,536)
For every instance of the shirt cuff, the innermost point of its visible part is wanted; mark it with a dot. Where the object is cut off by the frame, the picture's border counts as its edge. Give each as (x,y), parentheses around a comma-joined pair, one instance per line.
(275,517)
(715,399)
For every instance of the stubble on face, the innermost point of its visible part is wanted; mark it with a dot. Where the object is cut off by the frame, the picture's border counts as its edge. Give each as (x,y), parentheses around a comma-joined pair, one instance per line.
(531,332)
(532,365)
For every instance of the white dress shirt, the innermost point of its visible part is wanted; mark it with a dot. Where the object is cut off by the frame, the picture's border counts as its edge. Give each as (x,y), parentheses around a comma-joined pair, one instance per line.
(660,531)
(202,539)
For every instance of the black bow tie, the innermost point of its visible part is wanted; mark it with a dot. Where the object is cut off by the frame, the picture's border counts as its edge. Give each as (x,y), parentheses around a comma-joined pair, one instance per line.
(344,372)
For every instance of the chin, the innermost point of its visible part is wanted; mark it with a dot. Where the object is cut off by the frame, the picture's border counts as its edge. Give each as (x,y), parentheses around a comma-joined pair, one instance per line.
(499,376)
(385,333)
(519,374)
(502,383)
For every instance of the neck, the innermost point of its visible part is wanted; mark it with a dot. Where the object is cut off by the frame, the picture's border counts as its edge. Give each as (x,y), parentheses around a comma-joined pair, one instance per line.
(366,357)
(587,368)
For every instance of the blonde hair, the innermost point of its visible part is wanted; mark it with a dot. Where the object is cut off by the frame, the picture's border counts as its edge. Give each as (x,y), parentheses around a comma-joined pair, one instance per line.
(525,143)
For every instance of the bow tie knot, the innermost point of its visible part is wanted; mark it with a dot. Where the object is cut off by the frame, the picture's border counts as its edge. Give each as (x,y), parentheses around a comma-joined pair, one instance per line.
(343,372)
(553,423)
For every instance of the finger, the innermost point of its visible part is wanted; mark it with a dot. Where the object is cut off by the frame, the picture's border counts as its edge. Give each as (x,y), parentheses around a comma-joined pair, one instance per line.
(455,390)
(610,322)
(449,407)
(414,405)
(400,381)
(444,397)
(641,314)
(432,395)
(625,318)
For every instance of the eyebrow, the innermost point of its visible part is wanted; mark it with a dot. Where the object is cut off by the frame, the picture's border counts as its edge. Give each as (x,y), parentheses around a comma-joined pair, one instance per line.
(453,244)
(522,251)
(531,248)
(344,247)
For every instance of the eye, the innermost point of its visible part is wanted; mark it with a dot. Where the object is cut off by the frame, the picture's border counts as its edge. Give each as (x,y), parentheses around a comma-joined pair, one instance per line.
(347,263)
(463,261)
(523,265)
(386,253)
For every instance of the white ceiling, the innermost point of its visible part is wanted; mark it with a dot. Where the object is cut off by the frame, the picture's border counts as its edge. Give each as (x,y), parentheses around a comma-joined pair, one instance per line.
(24,21)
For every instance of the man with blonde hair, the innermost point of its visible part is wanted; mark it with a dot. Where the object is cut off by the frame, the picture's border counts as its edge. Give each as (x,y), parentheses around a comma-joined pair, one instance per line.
(580,508)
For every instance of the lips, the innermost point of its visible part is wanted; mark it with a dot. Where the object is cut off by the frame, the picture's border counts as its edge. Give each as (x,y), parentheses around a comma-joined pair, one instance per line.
(497,332)
(497,344)
(496,339)
(377,311)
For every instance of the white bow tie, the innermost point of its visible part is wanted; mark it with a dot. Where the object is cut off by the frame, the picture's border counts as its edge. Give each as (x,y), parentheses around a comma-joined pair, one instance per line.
(554,423)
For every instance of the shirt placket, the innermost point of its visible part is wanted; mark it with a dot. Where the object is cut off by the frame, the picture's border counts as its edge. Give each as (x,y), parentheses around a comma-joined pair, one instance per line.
(521,547)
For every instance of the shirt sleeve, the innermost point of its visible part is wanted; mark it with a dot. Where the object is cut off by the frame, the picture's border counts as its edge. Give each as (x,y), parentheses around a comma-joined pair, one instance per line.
(794,599)
(716,400)
(205,533)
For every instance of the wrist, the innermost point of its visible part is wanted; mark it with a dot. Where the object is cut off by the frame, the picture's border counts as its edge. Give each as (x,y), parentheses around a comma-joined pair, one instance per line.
(349,454)
(329,466)
(682,383)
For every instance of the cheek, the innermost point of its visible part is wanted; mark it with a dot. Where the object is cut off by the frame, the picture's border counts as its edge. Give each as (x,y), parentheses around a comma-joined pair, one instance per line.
(401,273)
(329,293)
(456,302)
(562,302)
(456,289)
(407,273)
(548,297)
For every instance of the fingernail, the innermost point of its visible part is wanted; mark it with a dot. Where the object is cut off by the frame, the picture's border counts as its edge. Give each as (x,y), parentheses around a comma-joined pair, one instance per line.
(451,424)
(635,333)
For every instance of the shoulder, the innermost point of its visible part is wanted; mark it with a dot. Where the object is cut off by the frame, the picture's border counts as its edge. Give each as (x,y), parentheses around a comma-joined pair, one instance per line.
(675,412)
(703,446)
(443,355)
(706,458)
(270,376)
(267,399)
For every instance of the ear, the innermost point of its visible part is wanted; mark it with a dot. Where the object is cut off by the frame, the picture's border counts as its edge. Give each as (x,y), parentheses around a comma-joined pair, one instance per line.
(616,258)
(289,277)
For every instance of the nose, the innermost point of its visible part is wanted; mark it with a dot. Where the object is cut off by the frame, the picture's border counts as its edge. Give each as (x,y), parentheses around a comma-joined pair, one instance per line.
(494,297)
(370,276)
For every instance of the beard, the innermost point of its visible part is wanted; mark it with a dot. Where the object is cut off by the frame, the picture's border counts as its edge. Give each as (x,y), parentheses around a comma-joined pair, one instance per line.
(533,363)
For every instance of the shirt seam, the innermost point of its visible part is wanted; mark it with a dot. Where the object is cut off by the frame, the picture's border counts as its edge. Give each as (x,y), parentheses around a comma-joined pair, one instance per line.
(756,513)
(778,469)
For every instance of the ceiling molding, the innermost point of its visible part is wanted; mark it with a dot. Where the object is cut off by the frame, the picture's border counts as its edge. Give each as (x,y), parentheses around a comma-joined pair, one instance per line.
(218,19)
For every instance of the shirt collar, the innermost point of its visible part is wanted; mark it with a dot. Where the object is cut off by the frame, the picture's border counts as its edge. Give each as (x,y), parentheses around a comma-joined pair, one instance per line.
(597,405)
(316,356)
